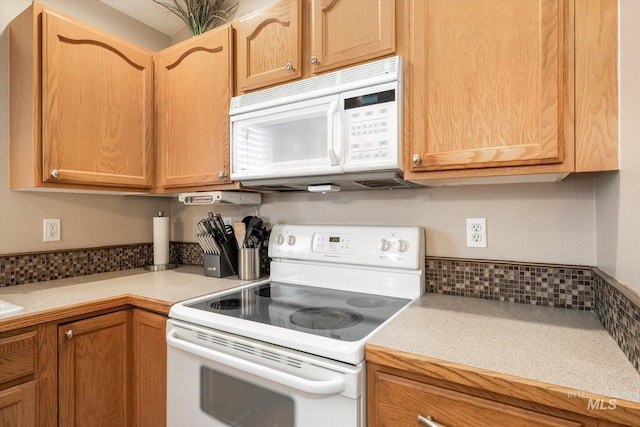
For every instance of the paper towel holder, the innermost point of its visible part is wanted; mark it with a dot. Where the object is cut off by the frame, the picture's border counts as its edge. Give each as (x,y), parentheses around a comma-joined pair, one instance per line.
(160,267)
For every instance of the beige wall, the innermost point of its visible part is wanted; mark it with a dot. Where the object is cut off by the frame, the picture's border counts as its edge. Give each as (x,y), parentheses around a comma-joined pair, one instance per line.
(86,220)
(618,194)
(551,222)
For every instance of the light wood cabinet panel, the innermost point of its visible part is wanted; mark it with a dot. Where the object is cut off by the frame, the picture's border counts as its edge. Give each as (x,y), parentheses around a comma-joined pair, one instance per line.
(193,91)
(18,356)
(596,85)
(497,89)
(399,402)
(269,46)
(489,84)
(94,371)
(81,106)
(150,369)
(18,406)
(347,32)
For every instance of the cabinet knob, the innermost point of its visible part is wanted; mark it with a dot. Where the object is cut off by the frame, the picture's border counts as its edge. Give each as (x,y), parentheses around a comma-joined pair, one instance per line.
(416,159)
(314,60)
(55,173)
(222,175)
(290,67)
(69,334)
(428,421)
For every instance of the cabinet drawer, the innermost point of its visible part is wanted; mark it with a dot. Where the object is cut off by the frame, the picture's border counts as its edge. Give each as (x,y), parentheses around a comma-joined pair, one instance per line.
(399,401)
(17,356)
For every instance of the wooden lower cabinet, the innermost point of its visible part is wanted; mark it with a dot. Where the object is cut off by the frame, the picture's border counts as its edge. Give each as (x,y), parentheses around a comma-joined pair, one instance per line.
(150,369)
(19,378)
(112,370)
(18,405)
(399,400)
(94,368)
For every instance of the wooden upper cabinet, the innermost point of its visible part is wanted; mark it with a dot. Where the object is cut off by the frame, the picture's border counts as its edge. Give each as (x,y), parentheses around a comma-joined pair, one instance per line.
(269,46)
(193,91)
(488,84)
(347,32)
(92,125)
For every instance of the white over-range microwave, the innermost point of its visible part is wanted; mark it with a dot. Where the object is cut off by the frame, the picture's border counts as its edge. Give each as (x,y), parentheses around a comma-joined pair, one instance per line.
(340,130)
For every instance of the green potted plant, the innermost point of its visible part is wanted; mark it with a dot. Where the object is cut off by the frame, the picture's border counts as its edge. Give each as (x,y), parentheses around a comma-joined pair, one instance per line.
(201,15)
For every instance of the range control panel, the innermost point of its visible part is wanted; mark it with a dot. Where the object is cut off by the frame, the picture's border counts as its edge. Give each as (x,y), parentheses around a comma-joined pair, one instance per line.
(379,246)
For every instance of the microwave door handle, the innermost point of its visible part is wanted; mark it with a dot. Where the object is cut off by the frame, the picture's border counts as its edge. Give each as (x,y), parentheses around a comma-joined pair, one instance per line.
(333,158)
(333,109)
(325,387)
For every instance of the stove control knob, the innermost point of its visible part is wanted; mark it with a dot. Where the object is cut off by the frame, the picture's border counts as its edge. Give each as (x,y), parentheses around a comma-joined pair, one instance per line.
(384,245)
(279,239)
(403,245)
(291,240)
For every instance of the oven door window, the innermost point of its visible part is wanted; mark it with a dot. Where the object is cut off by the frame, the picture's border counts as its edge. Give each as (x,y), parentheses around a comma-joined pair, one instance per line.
(242,404)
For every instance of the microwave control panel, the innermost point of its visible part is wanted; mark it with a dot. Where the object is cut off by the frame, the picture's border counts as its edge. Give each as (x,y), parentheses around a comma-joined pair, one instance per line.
(371,128)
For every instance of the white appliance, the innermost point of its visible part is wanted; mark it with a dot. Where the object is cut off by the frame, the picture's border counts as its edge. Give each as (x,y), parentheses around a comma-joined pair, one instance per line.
(342,128)
(288,351)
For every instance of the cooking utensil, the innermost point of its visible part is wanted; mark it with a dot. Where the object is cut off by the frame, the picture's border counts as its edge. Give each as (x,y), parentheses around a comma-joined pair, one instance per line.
(251,241)
(240,230)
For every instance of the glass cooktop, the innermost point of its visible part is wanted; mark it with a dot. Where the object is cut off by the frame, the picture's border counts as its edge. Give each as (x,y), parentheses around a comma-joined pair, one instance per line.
(342,315)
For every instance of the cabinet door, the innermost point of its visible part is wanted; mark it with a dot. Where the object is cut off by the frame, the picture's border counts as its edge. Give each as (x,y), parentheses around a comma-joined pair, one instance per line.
(150,369)
(269,46)
(397,401)
(345,32)
(93,371)
(18,406)
(487,84)
(97,98)
(193,87)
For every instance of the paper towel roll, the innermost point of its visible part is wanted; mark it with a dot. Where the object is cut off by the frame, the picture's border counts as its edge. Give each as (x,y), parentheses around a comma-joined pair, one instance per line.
(160,239)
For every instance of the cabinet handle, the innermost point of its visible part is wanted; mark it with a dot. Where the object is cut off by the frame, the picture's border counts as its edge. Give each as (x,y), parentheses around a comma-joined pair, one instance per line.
(416,159)
(428,421)
(314,60)
(290,67)
(55,173)
(69,334)
(222,175)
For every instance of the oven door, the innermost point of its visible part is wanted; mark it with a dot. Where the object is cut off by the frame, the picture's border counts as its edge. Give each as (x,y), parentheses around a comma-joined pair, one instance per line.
(291,140)
(218,379)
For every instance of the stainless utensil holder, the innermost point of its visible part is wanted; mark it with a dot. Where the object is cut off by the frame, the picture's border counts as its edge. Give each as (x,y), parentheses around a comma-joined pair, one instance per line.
(249,263)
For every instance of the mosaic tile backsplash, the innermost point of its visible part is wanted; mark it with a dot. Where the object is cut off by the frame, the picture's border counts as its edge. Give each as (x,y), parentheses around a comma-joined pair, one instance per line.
(549,285)
(569,287)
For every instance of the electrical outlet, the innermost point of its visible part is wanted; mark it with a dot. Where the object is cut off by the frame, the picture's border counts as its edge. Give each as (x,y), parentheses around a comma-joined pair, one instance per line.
(51,230)
(476,232)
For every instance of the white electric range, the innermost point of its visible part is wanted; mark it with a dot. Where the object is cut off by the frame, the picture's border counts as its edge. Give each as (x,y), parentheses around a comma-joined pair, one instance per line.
(289,350)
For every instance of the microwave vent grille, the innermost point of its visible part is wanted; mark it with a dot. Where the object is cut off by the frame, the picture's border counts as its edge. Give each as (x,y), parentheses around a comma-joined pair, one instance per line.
(327,84)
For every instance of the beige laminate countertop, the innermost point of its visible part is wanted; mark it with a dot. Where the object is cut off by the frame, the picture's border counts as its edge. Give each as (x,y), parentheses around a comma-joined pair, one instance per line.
(560,347)
(156,291)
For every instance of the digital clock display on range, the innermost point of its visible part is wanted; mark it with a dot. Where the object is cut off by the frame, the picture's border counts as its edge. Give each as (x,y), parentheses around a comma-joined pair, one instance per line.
(334,239)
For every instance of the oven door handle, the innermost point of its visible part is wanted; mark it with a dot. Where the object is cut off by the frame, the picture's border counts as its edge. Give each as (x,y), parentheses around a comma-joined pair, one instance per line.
(324,387)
